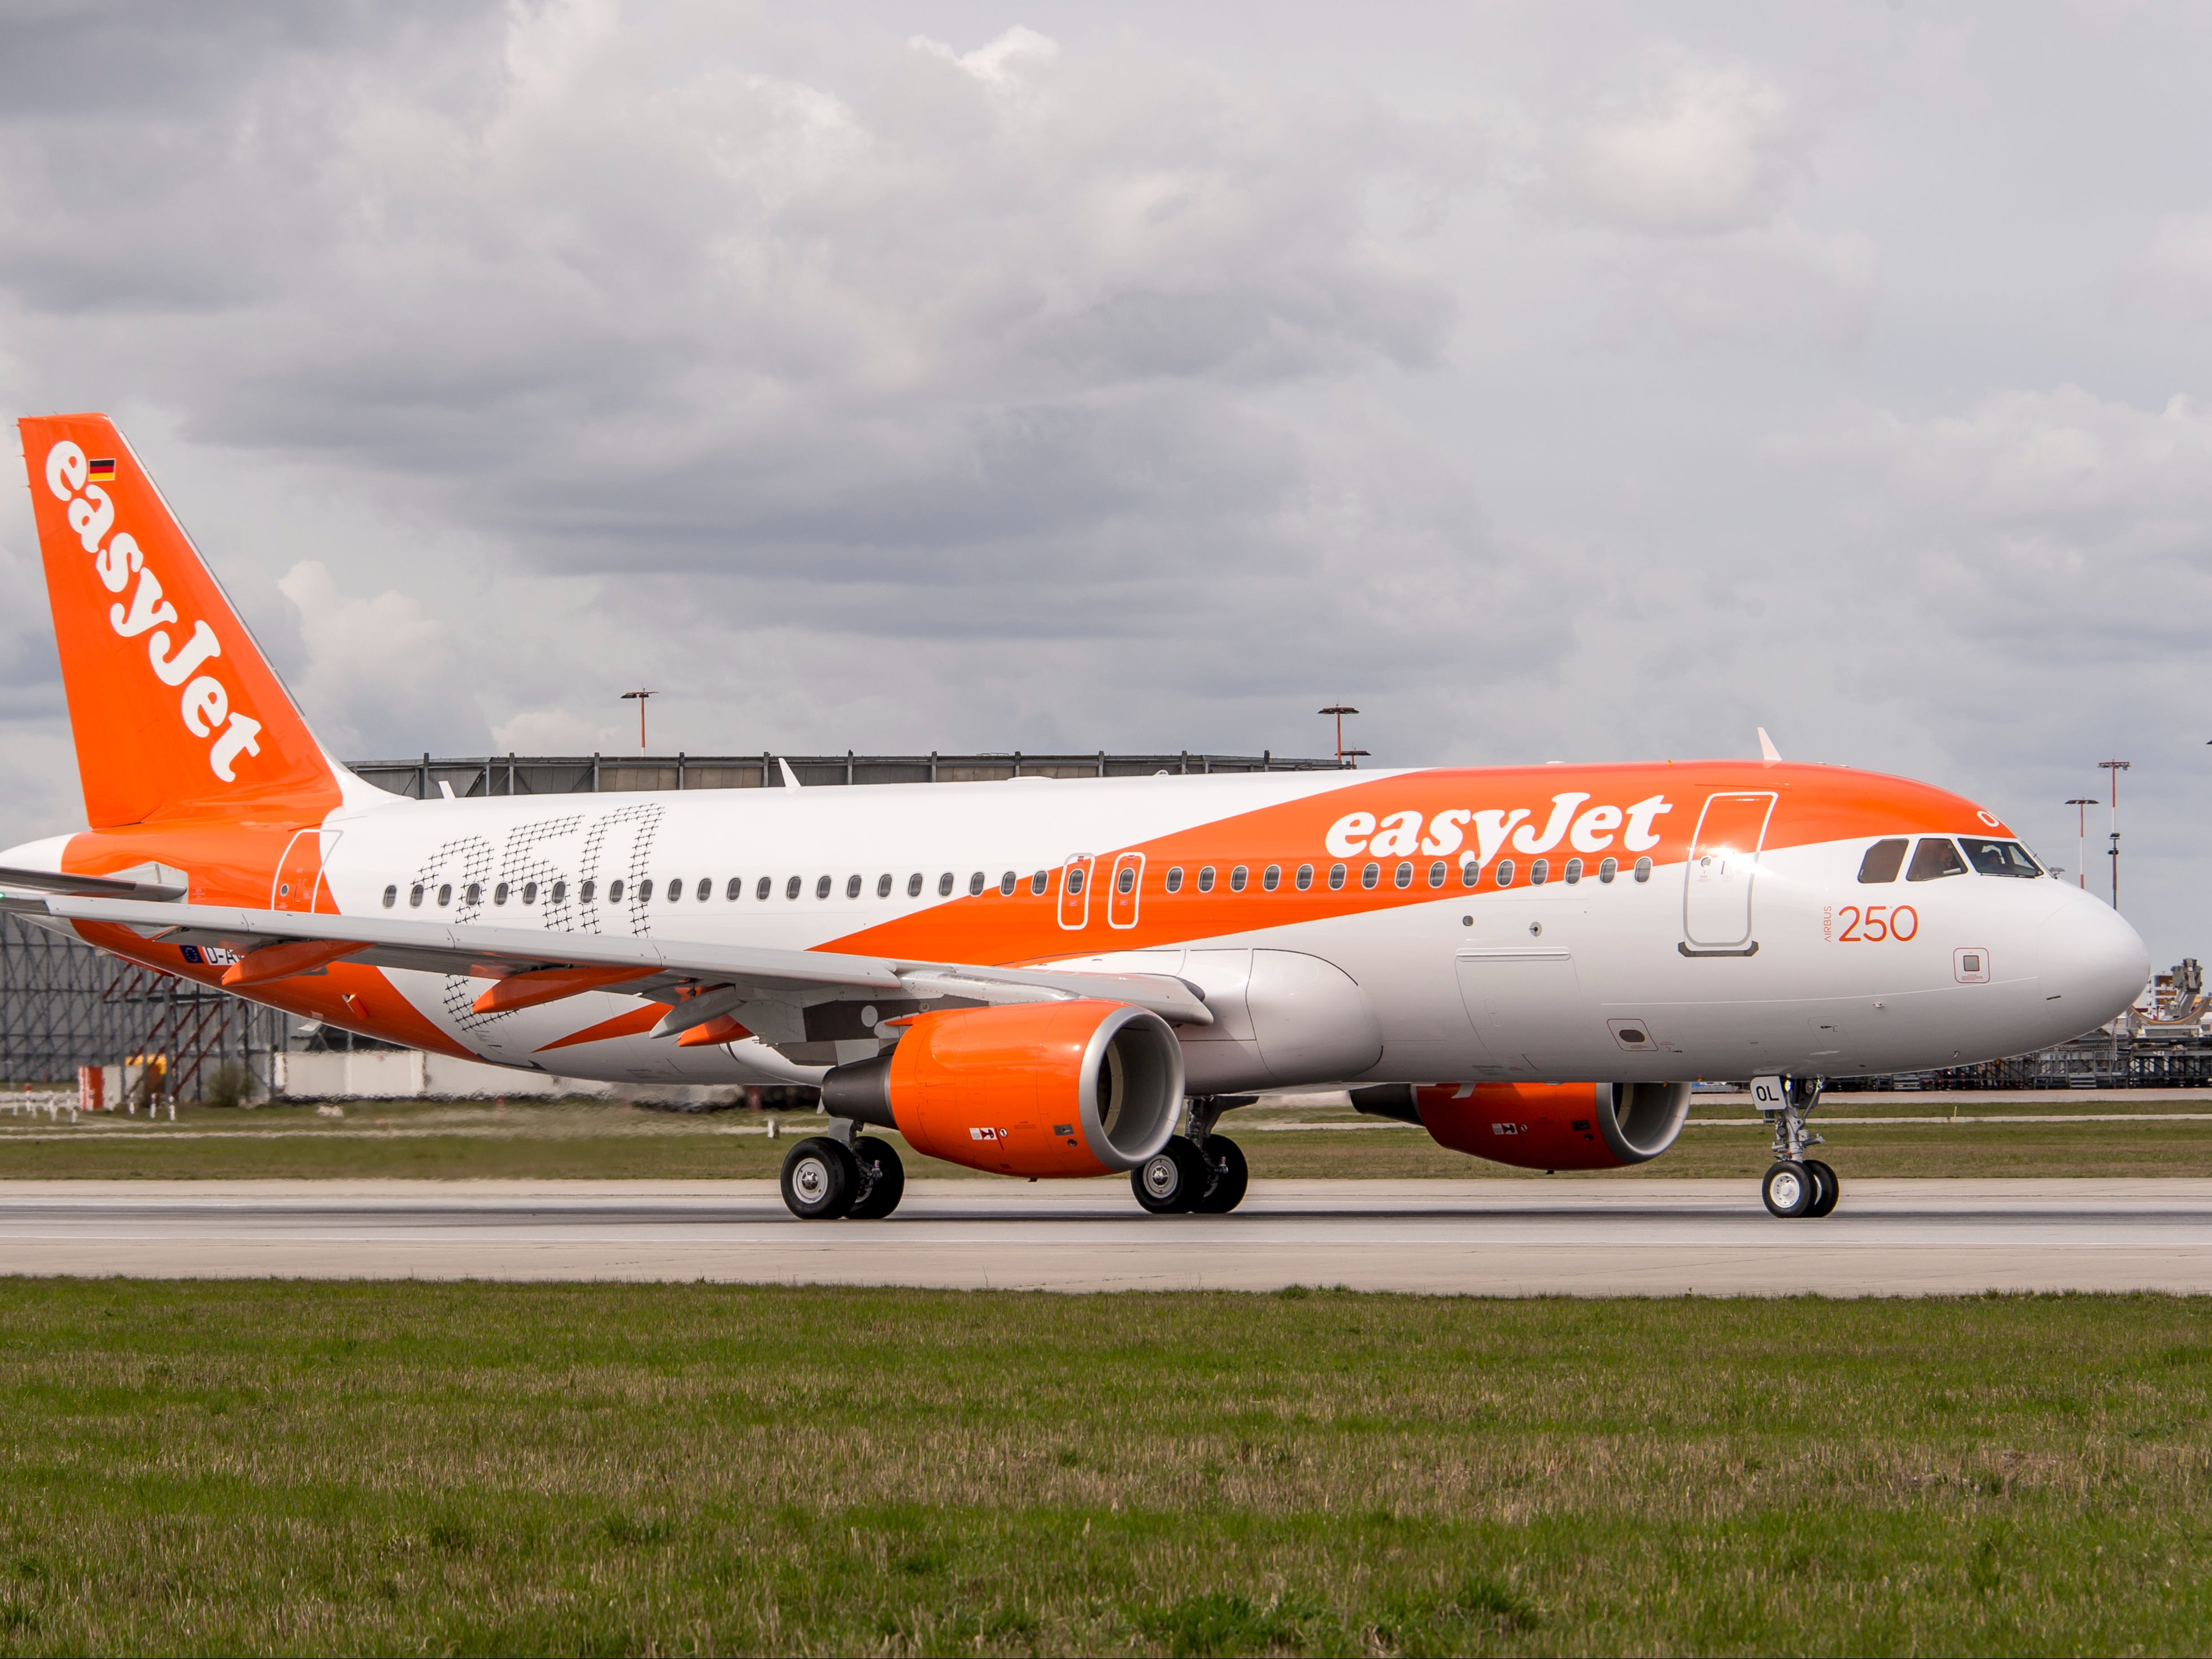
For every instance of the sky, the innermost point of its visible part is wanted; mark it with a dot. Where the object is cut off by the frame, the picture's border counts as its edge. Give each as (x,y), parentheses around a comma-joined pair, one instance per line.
(1550,381)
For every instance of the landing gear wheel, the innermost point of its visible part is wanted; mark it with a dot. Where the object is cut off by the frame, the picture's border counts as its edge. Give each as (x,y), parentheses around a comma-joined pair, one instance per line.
(882,1179)
(819,1179)
(1171,1181)
(1789,1190)
(1224,1162)
(1824,1200)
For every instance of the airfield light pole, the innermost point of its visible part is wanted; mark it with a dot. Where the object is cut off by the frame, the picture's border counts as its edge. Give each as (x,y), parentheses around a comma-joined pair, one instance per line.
(2081,803)
(2116,768)
(1340,709)
(640,696)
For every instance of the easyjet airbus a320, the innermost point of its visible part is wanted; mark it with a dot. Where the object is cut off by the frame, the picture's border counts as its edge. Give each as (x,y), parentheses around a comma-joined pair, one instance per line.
(1044,977)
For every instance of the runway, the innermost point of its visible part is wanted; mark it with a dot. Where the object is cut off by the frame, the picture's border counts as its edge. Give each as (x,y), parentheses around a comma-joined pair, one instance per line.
(1563,1235)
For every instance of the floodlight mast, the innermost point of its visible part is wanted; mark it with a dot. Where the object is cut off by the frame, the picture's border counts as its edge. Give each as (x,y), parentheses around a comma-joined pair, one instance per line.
(1340,709)
(640,696)
(2116,767)
(2081,803)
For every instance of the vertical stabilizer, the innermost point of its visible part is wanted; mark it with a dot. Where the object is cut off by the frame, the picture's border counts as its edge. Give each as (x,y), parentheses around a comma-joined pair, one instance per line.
(175,711)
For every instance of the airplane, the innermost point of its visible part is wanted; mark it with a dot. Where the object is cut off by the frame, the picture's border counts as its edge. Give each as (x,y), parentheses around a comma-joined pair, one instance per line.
(1046,978)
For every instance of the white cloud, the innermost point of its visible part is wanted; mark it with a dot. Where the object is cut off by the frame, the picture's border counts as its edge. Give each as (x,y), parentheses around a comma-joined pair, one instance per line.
(375,667)
(2174,272)
(1694,147)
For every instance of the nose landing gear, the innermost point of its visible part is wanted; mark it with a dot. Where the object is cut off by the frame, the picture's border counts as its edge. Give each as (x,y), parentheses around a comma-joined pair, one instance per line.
(1796,1185)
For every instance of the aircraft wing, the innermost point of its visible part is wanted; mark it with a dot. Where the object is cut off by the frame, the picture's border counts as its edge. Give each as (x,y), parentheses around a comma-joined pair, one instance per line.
(271,944)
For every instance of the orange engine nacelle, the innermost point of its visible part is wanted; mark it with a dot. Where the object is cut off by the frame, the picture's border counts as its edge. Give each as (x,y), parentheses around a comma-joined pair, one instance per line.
(1035,1088)
(1540,1126)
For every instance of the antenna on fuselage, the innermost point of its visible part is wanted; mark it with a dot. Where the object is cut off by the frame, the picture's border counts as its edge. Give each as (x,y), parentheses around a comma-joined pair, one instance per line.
(790,777)
(1768,754)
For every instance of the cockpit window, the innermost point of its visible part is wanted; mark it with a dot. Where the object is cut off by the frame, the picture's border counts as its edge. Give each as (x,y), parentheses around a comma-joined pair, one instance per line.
(2003,857)
(1933,858)
(1883,860)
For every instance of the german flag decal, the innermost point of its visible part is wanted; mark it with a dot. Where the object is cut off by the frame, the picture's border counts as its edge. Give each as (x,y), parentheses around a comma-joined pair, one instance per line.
(99,473)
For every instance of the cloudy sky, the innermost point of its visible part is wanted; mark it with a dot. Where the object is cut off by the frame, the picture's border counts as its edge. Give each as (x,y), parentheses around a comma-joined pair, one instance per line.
(1550,381)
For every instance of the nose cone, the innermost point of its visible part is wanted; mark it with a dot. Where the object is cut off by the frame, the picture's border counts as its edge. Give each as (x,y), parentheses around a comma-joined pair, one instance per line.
(2093,961)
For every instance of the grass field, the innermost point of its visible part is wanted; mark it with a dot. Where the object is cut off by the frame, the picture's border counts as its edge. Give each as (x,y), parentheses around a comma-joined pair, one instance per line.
(591,1139)
(414,1467)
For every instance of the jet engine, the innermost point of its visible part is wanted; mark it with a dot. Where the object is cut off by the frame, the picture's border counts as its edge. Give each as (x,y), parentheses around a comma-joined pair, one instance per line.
(1079,1088)
(1540,1126)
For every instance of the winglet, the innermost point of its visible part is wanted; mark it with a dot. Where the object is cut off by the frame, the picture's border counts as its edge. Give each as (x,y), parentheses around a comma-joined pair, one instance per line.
(790,777)
(1768,754)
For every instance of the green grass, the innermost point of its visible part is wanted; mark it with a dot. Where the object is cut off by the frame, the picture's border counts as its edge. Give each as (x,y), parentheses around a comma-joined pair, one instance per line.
(599,1140)
(251,1467)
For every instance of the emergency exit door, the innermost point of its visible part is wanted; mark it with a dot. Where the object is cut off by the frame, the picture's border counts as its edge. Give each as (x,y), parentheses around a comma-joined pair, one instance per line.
(1721,870)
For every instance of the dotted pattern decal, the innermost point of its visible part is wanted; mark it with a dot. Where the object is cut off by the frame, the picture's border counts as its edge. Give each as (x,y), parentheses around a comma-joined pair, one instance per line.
(620,844)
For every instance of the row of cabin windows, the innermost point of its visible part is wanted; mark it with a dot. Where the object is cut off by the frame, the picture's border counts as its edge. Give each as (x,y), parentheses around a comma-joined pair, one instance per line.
(1937,856)
(1503,874)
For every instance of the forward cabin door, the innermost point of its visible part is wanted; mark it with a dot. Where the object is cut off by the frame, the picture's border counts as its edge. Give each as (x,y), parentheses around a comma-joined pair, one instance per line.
(1722,865)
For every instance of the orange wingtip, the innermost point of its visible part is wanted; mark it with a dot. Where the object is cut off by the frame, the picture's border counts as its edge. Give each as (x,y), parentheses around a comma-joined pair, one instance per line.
(543,985)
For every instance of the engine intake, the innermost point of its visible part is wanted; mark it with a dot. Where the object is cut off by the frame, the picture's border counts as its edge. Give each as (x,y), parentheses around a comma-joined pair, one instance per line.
(1079,1088)
(1540,1126)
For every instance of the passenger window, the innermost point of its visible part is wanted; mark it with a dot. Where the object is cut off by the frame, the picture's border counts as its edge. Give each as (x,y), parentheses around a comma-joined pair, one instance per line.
(1643,869)
(1883,861)
(1437,872)
(1608,869)
(1007,883)
(445,894)
(852,887)
(1539,872)
(499,894)
(945,885)
(706,890)
(1206,880)
(1336,874)
(585,893)
(1370,876)
(1237,878)
(614,890)
(2003,857)
(645,891)
(1175,878)
(1504,877)
(414,896)
(914,885)
(791,888)
(1470,872)
(1574,871)
(561,891)
(474,895)
(1933,858)
(675,890)
(1125,879)
(1272,877)
(1404,876)
(390,896)
(530,892)
(1305,877)
(1075,881)
(821,887)
(1039,882)
(976,885)
(735,891)
(884,886)
(766,886)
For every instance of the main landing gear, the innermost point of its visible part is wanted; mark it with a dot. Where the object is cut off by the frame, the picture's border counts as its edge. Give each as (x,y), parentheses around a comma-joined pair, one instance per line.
(858,1177)
(1198,1174)
(1796,1185)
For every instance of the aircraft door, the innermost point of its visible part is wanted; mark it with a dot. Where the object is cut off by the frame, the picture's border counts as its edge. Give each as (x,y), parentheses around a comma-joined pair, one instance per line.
(298,884)
(1718,874)
(1128,885)
(1075,893)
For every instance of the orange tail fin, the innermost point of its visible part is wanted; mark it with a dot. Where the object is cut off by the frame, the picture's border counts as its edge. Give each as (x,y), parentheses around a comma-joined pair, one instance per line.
(175,711)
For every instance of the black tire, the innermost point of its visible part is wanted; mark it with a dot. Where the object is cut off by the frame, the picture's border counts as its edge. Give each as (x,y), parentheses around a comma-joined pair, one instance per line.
(1831,1189)
(882,1179)
(819,1179)
(1224,1159)
(1789,1190)
(1169,1182)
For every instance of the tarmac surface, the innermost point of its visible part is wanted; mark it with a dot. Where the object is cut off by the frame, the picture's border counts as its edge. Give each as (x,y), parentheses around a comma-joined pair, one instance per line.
(1560,1236)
